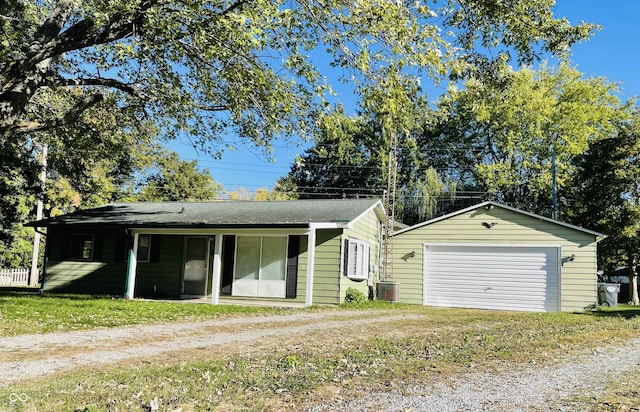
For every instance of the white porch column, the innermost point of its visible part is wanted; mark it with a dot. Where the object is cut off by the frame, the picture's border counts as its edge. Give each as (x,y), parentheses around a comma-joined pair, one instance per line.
(217,268)
(311,258)
(131,268)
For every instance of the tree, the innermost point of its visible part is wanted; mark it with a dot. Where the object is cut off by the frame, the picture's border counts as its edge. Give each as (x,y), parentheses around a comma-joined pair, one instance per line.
(178,180)
(425,198)
(606,192)
(347,160)
(260,194)
(202,70)
(263,194)
(206,69)
(15,206)
(504,137)
(88,164)
(350,159)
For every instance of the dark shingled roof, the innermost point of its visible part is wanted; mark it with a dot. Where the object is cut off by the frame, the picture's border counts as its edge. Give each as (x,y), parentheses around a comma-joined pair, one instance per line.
(290,213)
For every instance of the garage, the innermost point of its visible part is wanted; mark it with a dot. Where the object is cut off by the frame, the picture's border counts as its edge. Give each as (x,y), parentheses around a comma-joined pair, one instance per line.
(492,277)
(494,256)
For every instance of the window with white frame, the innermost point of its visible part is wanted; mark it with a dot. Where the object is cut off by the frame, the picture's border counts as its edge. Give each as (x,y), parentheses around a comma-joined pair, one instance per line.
(357,261)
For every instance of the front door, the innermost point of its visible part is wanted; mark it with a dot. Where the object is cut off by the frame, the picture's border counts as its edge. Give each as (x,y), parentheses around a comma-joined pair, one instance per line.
(196,262)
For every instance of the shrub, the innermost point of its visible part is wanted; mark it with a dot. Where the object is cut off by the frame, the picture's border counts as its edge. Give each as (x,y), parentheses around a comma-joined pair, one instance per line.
(355,296)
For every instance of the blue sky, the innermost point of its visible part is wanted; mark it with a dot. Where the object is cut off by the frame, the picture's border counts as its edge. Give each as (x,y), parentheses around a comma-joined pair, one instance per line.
(613,52)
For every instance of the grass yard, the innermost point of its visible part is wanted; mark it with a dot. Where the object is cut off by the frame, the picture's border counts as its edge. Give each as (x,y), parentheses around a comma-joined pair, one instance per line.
(26,312)
(290,372)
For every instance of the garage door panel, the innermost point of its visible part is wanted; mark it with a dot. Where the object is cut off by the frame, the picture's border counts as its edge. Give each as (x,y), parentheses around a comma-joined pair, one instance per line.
(491,265)
(511,275)
(505,285)
(472,300)
(450,272)
(494,300)
(496,305)
(538,259)
(490,277)
(494,290)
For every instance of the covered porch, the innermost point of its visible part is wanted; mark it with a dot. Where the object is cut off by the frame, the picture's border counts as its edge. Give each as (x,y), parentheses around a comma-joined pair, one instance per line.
(267,266)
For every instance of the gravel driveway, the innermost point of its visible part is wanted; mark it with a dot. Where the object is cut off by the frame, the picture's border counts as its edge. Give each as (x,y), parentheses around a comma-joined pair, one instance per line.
(29,356)
(516,390)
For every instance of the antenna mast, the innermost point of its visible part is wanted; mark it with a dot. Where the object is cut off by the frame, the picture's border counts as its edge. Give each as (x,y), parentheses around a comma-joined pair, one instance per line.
(390,206)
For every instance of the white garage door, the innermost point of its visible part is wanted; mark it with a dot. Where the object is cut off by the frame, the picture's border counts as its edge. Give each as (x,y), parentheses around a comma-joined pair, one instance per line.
(492,277)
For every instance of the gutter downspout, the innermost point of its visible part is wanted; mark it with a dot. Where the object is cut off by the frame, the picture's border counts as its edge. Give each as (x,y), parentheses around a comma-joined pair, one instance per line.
(311,257)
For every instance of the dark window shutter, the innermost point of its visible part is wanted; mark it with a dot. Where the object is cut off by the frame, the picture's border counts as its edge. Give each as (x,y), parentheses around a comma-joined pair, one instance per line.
(65,244)
(292,266)
(228,259)
(345,258)
(156,245)
(98,241)
(122,247)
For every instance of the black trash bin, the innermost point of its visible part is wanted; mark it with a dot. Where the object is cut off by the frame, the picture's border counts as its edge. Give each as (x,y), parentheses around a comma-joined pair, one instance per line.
(608,294)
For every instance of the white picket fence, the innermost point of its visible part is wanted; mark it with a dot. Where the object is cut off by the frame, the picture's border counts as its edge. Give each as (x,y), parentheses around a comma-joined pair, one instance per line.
(14,277)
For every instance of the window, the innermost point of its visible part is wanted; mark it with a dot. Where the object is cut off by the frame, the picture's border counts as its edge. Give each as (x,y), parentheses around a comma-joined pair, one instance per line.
(144,248)
(81,246)
(357,260)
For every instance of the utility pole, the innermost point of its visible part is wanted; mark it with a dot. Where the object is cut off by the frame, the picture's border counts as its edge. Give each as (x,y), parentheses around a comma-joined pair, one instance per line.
(33,274)
(554,186)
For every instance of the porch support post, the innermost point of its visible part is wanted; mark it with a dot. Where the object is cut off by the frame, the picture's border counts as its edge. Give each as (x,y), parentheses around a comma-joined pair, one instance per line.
(217,268)
(131,268)
(311,257)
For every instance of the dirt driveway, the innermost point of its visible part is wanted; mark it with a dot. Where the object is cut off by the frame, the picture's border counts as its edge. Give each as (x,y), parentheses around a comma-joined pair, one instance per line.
(29,356)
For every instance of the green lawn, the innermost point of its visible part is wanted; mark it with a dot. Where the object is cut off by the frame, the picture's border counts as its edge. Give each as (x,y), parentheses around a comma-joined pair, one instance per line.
(283,373)
(25,312)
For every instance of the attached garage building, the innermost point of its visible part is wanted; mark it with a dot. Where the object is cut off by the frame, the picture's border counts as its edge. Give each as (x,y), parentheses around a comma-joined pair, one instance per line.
(492,256)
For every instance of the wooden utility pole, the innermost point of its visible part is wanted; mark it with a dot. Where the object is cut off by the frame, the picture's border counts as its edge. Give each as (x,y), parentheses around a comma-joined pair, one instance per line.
(34,274)
(554,186)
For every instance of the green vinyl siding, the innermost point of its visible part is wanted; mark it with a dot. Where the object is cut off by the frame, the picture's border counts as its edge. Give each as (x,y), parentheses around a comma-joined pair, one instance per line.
(104,275)
(368,229)
(162,278)
(326,278)
(578,277)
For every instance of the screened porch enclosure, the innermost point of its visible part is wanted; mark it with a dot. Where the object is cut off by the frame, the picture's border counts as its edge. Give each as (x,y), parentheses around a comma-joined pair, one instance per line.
(252,265)
(260,265)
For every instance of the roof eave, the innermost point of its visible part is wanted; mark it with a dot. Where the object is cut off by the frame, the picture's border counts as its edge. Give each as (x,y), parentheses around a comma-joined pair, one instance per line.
(125,225)
(488,204)
(376,207)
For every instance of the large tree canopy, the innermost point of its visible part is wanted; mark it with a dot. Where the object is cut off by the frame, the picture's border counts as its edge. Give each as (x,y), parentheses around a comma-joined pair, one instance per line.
(504,138)
(206,68)
(606,194)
